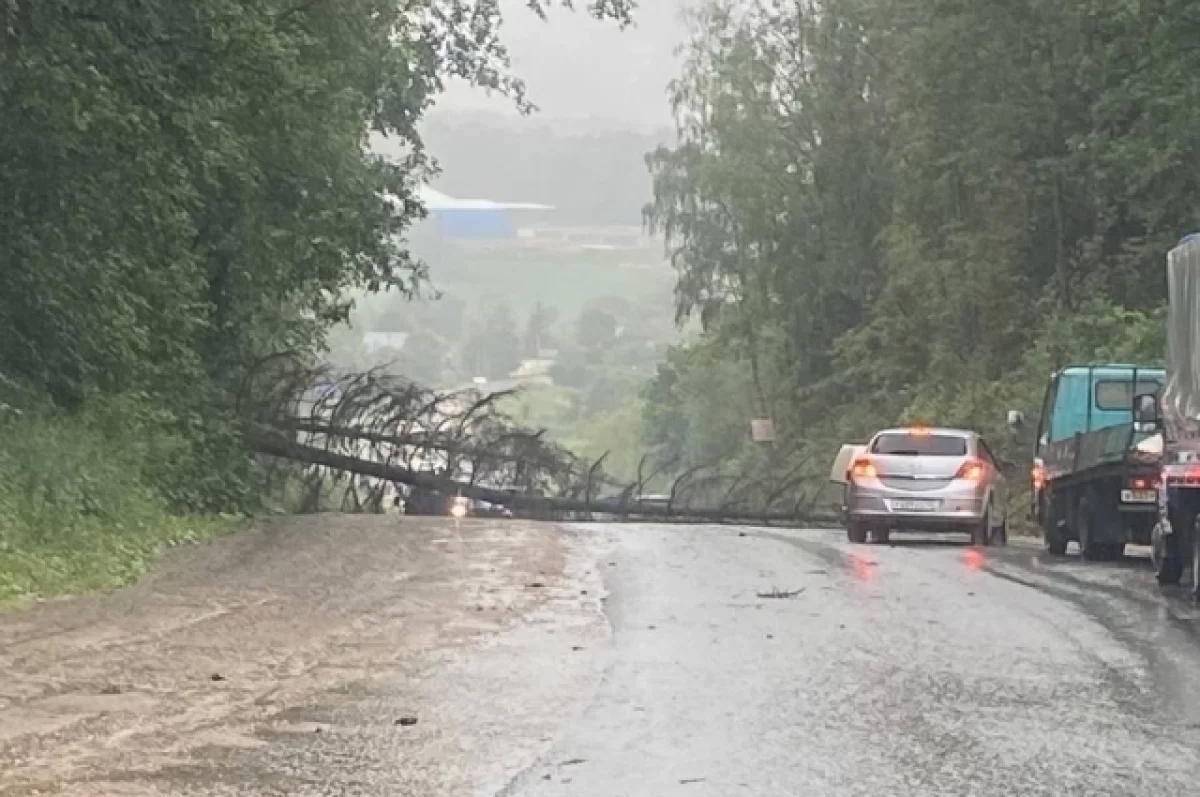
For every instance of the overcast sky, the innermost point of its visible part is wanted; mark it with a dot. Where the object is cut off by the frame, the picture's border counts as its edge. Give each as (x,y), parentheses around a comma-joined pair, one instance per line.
(575,67)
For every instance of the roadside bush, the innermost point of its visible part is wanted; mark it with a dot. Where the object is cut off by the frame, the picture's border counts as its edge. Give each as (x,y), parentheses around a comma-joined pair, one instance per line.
(77,510)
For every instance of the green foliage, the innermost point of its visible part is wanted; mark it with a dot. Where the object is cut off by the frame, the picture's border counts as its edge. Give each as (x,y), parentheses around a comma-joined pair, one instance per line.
(188,188)
(79,507)
(894,211)
(492,348)
(596,328)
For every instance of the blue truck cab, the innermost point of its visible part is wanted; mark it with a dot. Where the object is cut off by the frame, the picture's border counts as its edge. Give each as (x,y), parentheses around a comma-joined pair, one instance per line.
(1088,483)
(1088,398)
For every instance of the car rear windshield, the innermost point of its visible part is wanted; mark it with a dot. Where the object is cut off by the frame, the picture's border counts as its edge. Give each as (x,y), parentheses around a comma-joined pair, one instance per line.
(923,445)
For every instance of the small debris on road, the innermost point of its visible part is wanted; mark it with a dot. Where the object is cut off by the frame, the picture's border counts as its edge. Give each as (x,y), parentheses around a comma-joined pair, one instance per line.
(741,534)
(110,689)
(407,721)
(577,647)
(572,762)
(216,676)
(780,594)
(686,781)
(535,585)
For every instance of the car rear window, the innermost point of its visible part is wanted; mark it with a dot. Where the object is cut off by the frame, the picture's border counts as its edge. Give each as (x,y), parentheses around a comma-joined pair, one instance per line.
(924,445)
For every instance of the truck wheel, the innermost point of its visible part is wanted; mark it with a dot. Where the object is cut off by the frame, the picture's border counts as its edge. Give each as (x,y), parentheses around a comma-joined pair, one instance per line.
(856,532)
(1089,547)
(1165,555)
(1056,541)
(1053,535)
(1196,559)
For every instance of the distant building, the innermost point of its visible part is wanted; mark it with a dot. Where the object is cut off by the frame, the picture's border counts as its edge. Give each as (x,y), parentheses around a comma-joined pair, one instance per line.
(374,341)
(588,239)
(476,219)
(534,371)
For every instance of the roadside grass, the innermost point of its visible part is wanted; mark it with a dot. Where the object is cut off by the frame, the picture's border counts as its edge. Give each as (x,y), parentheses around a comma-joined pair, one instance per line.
(77,511)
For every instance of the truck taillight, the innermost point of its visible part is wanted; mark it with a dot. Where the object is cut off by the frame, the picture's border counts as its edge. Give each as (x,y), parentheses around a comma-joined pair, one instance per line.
(971,470)
(1038,476)
(863,469)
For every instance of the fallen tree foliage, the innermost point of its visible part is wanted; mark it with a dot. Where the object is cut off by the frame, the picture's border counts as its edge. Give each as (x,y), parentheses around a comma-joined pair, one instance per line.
(386,430)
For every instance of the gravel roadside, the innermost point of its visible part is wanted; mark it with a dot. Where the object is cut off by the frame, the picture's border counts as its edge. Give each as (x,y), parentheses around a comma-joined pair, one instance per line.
(312,655)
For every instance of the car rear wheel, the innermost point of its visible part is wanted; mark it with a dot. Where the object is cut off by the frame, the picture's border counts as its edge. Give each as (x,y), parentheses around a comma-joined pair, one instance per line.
(881,535)
(982,532)
(1001,535)
(856,532)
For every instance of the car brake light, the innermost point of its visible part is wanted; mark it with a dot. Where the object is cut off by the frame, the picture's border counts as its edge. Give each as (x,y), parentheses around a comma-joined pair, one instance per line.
(971,471)
(1141,483)
(863,469)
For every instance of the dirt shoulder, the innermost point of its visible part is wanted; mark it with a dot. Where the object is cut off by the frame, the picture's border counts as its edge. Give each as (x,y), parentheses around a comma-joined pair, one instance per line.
(315,655)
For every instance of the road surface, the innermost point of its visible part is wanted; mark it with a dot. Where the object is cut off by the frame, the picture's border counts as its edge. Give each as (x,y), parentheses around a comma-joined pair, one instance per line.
(336,655)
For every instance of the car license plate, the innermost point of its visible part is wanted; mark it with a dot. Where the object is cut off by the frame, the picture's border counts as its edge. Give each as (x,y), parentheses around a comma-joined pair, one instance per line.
(913,506)
(1139,496)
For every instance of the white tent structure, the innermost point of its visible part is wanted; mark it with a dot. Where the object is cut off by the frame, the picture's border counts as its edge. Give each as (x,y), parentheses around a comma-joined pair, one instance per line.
(437,201)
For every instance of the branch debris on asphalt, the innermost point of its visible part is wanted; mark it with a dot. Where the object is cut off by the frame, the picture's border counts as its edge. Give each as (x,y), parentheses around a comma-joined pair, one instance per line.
(777,593)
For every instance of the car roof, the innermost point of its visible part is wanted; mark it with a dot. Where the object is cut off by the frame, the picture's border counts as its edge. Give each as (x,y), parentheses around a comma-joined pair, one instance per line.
(943,431)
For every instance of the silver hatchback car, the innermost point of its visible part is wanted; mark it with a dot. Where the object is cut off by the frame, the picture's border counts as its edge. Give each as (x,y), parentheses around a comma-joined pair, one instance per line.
(931,480)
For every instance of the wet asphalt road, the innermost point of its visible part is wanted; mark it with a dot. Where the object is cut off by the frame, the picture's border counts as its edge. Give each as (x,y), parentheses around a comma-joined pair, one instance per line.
(916,669)
(366,656)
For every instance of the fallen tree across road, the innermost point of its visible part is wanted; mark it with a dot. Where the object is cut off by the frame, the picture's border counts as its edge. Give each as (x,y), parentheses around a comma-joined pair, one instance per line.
(392,431)
(274,445)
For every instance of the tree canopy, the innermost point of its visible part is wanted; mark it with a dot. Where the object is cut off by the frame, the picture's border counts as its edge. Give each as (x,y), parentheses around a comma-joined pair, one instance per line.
(188,186)
(885,211)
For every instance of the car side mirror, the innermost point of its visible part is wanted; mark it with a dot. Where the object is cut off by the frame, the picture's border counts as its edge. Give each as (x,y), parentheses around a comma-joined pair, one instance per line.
(1015,420)
(1145,410)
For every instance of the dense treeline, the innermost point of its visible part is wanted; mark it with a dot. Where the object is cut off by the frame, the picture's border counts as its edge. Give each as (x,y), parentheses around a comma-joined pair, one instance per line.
(187,187)
(888,211)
